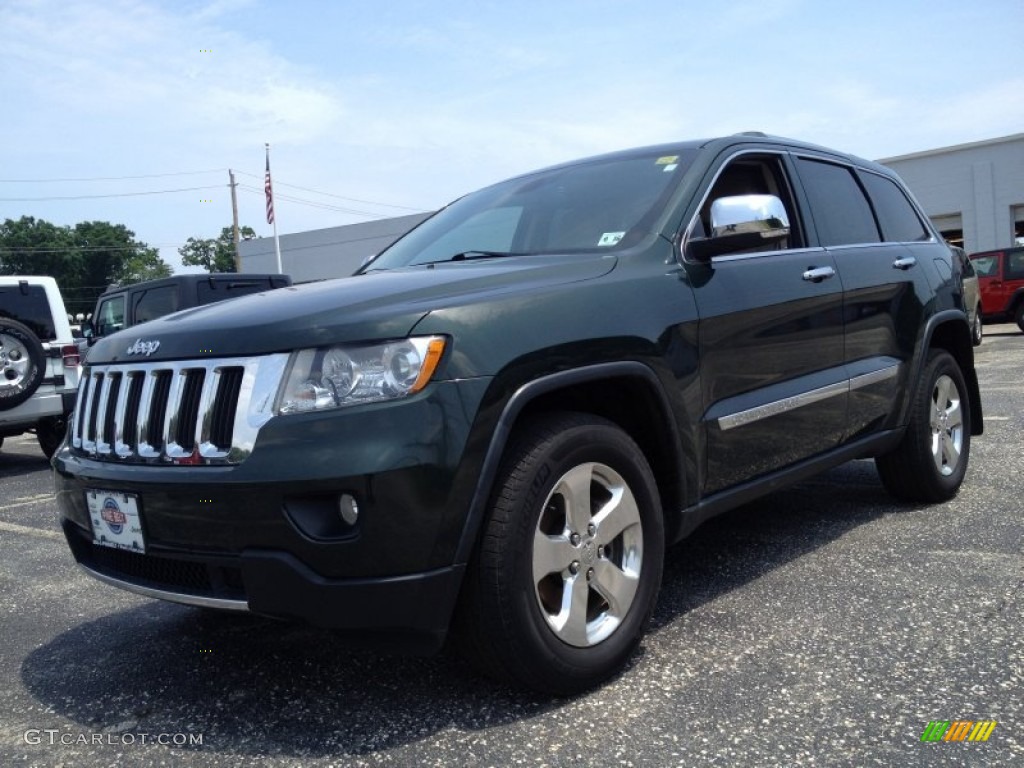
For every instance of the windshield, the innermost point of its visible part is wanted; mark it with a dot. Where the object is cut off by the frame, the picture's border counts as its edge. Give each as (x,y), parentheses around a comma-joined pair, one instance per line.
(594,205)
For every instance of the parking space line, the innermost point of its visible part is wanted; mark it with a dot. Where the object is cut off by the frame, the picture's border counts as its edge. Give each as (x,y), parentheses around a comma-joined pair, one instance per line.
(27,501)
(41,532)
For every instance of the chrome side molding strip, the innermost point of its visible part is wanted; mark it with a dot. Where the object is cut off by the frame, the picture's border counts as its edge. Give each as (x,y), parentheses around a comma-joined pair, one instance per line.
(786,404)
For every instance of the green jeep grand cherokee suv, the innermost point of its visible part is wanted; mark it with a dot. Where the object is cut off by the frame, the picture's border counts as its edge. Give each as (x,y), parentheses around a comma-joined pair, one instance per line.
(500,423)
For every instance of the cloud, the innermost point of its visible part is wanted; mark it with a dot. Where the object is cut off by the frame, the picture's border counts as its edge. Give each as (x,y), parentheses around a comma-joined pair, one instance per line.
(137,70)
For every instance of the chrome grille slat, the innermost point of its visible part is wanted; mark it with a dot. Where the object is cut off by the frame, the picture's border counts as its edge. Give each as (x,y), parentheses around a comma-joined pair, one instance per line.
(174,450)
(143,449)
(80,410)
(120,447)
(204,427)
(178,412)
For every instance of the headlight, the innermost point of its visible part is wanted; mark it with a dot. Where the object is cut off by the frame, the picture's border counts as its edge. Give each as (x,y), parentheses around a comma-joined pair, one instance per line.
(333,377)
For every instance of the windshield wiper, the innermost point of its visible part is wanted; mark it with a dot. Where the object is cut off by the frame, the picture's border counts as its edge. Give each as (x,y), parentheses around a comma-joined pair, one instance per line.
(466,255)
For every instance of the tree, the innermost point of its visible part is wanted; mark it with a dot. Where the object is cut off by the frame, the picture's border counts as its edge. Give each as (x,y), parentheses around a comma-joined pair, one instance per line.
(35,247)
(110,254)
(83,259)
(213,255)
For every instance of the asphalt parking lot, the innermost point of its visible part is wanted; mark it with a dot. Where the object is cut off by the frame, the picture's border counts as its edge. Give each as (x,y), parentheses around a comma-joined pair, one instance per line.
(822,626)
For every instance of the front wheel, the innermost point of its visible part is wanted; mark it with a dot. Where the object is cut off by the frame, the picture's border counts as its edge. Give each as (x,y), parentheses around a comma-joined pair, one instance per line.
(976,330)
(930,462)
(1019,315)
(570,562)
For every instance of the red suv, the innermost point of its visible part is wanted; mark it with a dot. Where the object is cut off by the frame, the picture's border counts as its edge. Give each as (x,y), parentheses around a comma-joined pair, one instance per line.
(1001,278)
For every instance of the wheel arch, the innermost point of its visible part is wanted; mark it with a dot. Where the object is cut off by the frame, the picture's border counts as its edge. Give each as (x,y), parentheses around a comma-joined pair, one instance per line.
(950,331)
(627,393)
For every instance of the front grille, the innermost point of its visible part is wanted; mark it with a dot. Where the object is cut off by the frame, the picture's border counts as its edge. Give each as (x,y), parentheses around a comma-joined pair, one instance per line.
(181,412)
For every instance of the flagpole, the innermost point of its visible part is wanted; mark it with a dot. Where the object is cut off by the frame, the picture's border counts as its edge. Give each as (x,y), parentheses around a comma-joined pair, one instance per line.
(277,248)
(271,215)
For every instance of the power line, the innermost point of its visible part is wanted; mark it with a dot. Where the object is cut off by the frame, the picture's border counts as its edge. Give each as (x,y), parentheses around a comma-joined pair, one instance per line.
(111,178)
(119,194)
(312,203)
(9,249)
(339,197)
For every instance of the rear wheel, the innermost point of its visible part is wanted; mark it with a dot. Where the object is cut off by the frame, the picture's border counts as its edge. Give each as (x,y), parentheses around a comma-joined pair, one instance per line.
(976,329)
(930,462)
(570,562)
(1019,315)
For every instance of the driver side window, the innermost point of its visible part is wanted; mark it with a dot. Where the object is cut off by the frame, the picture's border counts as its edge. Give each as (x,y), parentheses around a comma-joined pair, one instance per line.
(111,316)
(755,179)
(753,175)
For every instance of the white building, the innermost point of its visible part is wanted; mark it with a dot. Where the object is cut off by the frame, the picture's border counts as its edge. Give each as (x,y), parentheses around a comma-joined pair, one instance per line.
(974,193)
(323,253)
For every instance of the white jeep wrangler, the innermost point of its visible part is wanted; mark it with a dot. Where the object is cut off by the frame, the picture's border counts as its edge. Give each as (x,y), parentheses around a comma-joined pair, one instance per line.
(39,362)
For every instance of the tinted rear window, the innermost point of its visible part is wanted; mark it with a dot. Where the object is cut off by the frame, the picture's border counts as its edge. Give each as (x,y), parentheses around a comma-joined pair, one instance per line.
(29,307)
(896,215)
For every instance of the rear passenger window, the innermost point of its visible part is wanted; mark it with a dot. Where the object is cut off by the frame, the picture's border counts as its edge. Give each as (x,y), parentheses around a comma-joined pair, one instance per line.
(1015,265)
(841,213)
(156,302)
(896,215)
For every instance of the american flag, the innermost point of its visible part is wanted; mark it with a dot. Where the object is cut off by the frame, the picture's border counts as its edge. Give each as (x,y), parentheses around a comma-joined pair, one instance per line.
(269,191)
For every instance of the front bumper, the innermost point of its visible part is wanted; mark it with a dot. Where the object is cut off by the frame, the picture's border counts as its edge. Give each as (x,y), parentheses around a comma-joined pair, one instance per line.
(266,536)
(416,608)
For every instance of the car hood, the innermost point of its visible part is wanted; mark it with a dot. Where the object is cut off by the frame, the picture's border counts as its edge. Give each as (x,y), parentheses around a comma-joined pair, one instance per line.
(369,307)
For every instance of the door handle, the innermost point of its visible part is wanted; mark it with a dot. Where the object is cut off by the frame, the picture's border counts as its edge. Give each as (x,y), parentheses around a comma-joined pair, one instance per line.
(905,263)
(817,274)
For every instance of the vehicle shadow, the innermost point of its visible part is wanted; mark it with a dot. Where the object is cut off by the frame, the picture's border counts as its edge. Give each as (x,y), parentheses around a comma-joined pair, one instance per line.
(747,542)
(257,686)
(16,460)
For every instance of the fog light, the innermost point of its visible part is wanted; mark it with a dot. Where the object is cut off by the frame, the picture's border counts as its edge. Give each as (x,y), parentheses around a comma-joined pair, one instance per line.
(348,509)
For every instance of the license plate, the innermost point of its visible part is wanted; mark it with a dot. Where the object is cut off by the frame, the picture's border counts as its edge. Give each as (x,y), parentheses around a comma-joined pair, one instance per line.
(115,520)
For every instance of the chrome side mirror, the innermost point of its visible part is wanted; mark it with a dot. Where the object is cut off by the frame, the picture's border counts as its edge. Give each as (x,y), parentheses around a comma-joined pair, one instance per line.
(742,223)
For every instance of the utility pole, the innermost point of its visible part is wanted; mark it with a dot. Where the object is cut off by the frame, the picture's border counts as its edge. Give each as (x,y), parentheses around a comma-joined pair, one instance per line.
(234,219)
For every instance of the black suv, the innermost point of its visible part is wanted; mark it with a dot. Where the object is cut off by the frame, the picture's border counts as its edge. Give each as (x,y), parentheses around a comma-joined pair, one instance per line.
(500,423)
(121,307)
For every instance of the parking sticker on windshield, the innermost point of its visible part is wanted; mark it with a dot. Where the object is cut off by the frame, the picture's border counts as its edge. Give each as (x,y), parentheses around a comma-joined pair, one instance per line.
(667,160)
(611,238)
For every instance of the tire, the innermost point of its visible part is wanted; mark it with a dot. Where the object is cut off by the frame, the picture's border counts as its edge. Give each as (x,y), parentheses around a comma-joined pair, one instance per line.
(977,331)
(22,363)
(556,596)
(1018,315)
(930,462)
(50,434)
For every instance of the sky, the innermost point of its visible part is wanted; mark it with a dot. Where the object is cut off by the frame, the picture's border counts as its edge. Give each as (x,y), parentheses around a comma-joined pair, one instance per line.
(384,108)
